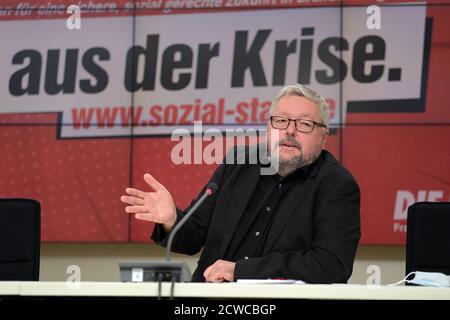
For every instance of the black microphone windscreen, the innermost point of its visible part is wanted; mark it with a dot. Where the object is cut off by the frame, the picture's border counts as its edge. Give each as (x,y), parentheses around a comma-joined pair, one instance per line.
(212,187)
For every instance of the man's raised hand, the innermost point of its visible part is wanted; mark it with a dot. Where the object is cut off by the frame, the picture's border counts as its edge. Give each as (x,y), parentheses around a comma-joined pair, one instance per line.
(155,206)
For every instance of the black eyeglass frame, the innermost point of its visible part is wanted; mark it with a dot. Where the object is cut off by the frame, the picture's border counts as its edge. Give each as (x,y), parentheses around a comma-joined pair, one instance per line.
(314,123)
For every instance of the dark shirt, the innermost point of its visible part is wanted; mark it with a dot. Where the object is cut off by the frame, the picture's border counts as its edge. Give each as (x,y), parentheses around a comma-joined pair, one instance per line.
(253,228)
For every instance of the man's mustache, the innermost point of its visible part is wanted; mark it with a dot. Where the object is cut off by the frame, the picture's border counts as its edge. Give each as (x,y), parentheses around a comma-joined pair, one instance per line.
(289,141)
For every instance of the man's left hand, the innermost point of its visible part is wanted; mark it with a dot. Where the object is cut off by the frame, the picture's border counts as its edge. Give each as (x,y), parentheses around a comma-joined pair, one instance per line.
(220,271)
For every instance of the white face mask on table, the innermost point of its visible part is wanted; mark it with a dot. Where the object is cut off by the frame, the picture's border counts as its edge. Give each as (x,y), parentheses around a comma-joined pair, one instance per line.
(429,279)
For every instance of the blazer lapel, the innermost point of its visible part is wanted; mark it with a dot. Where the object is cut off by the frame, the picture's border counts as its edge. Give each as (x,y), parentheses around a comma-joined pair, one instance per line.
(242,193)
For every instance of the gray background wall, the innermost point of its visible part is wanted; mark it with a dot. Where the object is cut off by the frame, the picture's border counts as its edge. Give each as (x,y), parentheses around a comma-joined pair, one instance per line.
(99,262)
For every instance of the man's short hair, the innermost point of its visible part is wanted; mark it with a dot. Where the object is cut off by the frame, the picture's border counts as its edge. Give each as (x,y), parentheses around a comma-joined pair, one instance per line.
(302,91)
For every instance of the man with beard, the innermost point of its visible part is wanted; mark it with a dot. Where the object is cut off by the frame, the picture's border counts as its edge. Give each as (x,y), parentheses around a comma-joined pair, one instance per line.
(301,223)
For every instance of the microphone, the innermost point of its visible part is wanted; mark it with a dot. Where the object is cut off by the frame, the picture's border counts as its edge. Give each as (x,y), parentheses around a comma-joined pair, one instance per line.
(210,189)
(178,271)
(167,270)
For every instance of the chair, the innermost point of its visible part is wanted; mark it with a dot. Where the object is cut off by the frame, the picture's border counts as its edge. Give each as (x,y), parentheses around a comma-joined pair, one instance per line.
(428,237)
(20,231)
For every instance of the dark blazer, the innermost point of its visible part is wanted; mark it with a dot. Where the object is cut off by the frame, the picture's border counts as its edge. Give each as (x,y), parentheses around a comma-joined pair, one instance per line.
(314,235)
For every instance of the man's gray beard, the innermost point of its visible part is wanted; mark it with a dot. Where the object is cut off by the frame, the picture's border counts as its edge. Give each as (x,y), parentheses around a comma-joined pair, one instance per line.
(288,166)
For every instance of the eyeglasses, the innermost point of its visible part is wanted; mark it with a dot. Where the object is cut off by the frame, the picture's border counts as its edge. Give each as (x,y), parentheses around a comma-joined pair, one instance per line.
(302,125)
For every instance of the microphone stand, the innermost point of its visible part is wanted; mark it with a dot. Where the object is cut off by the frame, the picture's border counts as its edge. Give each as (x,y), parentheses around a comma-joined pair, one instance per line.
(167,270)
(207,193)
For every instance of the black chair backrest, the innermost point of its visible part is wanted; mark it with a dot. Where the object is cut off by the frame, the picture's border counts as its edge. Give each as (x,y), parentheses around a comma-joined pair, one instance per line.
(20,234)
(428,237)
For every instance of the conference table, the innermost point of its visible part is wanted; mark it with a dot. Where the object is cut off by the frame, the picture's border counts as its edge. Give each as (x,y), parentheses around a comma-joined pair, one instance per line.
(221,291)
